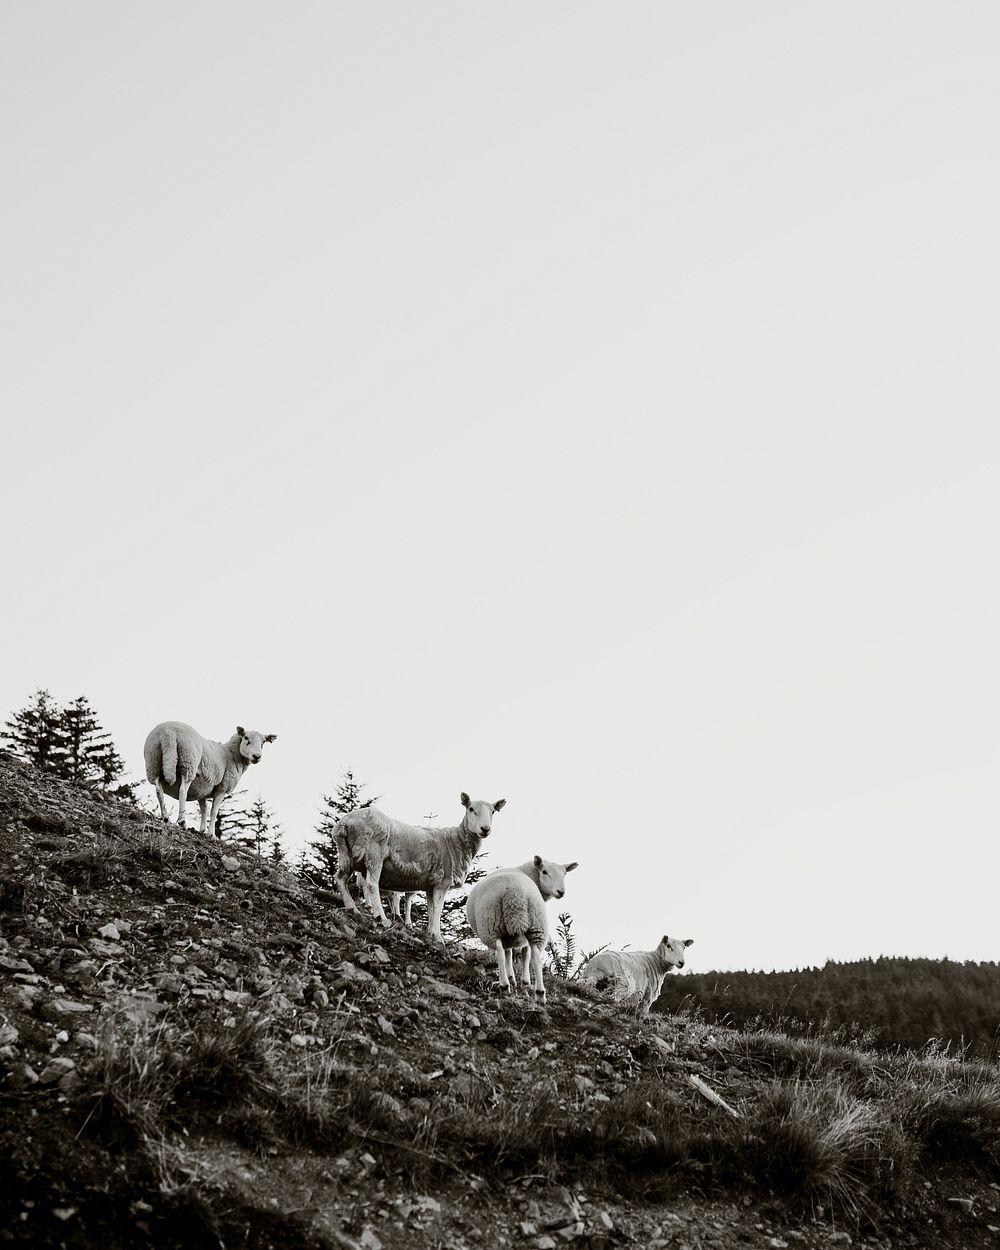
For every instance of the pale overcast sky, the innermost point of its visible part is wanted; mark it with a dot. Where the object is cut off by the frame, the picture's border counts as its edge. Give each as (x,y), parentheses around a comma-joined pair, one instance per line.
(591,405)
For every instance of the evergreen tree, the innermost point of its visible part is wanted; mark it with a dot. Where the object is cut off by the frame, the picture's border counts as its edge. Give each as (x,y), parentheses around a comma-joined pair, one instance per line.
(277,857)
(69,742)
(347,798)
(86,753)
(33,732)
(251,824)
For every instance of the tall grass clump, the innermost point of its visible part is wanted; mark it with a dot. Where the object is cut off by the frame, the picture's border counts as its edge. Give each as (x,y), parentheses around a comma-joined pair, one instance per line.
(822,1143)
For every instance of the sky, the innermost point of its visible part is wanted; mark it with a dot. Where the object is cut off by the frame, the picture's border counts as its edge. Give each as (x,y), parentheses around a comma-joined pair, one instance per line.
(590,405)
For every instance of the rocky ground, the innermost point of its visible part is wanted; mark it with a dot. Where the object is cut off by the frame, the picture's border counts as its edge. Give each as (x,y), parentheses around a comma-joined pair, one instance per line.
(198,1050)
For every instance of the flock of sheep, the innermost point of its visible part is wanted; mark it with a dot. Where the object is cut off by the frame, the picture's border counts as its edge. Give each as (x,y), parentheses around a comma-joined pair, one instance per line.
(506,909)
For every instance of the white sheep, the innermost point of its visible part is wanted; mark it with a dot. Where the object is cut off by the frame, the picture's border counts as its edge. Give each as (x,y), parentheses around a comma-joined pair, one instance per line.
(397,857)
(506,911)
(183,764)
(636,972)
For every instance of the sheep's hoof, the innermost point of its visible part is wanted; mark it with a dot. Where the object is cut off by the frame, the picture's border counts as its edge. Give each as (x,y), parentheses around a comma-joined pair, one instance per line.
(540,997)
(386,922)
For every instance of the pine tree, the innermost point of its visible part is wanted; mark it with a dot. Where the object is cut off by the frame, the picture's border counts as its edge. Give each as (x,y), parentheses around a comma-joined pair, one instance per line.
(33,732)
(277,857)
(69,742)
(253,825)
(86,753)
(346,799)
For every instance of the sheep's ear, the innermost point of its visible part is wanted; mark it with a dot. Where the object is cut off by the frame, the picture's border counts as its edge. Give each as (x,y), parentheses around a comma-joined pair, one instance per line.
(689,941)
(240,730)
(570,867)
(538,861)
(664,941)
(499,803)
(270,737)
(465,799)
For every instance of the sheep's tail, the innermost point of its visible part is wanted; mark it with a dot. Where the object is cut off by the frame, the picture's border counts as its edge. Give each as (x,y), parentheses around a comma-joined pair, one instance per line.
(345,852)
(167,749)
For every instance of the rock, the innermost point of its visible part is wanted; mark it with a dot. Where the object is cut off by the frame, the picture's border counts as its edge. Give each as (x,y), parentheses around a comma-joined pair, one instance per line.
(110,931)
(58,1008)
(965,1204)
(348,972)
(381,955)
(386,1026)
(8,1034)
(239,997)
(55,1069)
(139,1007)
(14,965)
(444,989)
(230,863)
(299,1039)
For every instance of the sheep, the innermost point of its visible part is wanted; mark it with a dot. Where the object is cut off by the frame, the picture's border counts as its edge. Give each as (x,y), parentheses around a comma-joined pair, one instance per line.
(401,858)
(183,764)
(636,972)
(506,911)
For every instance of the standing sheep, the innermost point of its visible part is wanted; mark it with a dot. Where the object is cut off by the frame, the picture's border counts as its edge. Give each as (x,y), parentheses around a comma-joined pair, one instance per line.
(636,972)
(183,764)
(397,857)
(506,911)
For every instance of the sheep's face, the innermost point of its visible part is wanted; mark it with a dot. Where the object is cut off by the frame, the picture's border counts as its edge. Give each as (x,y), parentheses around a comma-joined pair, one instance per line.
(552,877)
(479,814)
(671,950)
(252,743)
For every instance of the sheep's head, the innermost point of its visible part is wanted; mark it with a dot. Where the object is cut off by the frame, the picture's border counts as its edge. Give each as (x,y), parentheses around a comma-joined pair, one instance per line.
(552,877)
(671,950)
(252,743)
(479,814)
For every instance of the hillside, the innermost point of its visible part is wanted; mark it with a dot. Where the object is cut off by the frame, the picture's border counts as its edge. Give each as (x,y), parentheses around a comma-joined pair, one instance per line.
(199,1053)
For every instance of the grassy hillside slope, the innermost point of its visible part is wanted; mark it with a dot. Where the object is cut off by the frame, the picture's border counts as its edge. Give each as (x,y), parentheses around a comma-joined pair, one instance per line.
(197,1052)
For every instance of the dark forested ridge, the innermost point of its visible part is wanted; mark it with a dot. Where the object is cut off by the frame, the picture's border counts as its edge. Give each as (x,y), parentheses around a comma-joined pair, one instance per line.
(906,1001)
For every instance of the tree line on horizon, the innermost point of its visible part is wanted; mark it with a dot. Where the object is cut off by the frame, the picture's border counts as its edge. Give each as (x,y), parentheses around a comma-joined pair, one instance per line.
(898,1001)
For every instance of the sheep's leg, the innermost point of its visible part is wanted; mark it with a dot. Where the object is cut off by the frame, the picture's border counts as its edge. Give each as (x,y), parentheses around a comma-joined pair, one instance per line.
(536,963)
(525,957)
(394,905)
(344,870)
(159,795)
(182,793)
(407,908)
(203,808)
(213,814)
(373,874)
(502,957)
(435,905)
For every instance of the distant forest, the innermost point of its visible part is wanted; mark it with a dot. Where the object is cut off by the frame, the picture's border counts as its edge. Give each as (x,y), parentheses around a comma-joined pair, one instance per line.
(905,1001)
